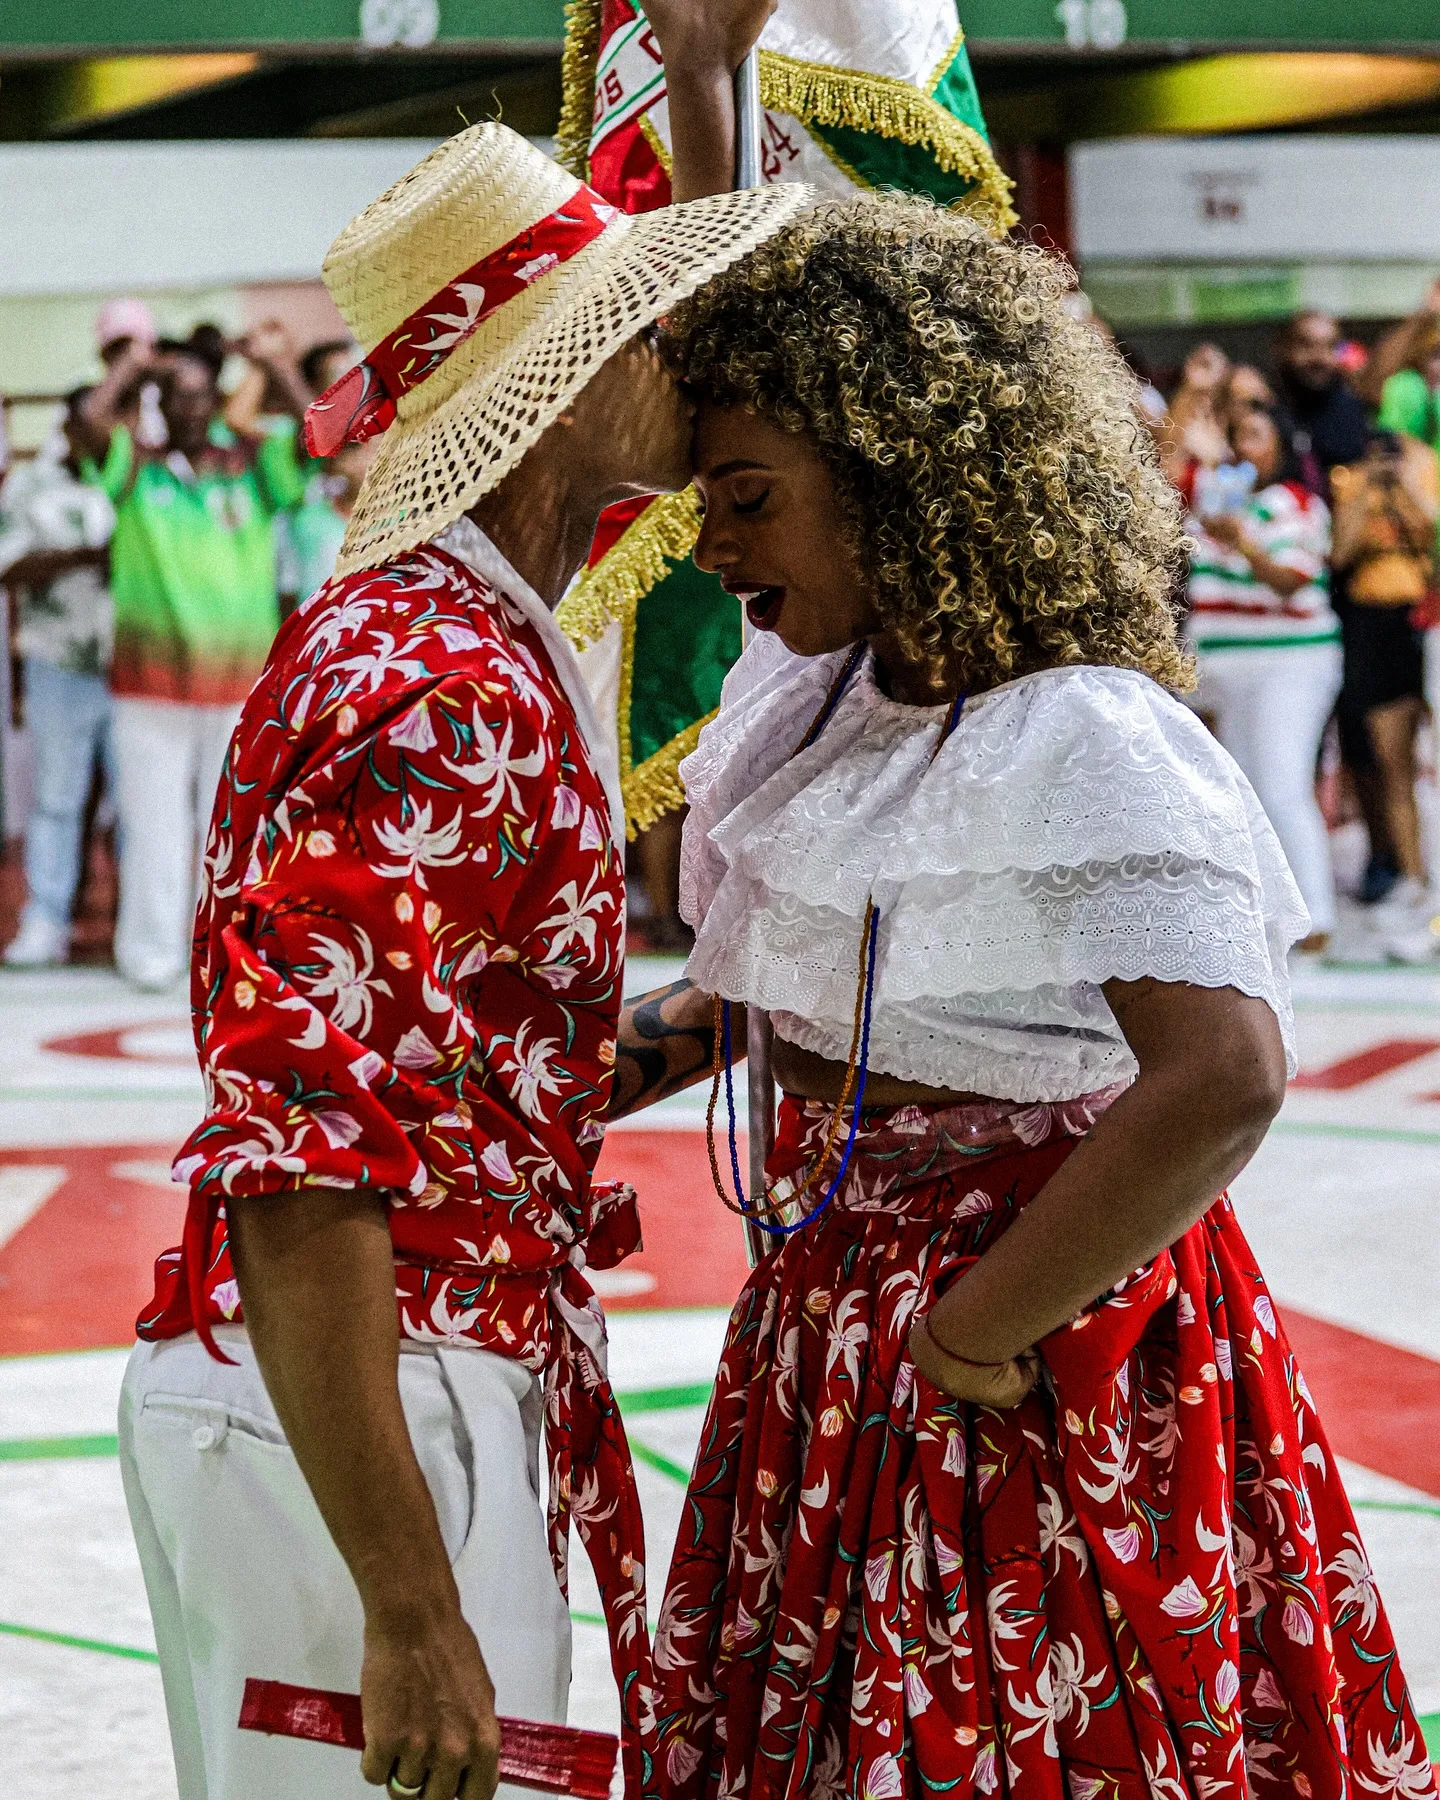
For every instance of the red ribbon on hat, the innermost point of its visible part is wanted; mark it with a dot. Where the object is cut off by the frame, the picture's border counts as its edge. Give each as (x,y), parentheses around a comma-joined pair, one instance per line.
(361,404)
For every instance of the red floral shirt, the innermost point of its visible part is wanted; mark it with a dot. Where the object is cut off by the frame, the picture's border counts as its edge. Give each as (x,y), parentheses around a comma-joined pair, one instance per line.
(407,965)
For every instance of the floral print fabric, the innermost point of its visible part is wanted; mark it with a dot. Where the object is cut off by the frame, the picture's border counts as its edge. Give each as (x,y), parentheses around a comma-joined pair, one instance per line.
(408,950)
(407,976)
(1145,1583)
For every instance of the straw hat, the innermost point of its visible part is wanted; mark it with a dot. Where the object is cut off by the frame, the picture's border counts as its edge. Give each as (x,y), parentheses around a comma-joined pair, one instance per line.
(439,249)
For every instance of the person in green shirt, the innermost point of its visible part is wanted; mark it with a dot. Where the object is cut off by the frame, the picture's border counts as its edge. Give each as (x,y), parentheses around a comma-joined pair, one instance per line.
(192,566)
(1402,380)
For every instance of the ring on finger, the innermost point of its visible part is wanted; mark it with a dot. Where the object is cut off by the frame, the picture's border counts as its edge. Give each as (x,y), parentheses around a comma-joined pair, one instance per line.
(400,1790)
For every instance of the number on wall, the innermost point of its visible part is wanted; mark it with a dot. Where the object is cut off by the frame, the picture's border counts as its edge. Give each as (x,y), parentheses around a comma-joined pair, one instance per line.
(1094,24)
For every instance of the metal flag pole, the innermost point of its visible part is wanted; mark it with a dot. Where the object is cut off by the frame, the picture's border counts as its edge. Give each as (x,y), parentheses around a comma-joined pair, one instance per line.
(760,1084)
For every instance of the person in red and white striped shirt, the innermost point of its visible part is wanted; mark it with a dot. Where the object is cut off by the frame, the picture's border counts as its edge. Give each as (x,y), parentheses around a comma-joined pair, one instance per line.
(1267,642)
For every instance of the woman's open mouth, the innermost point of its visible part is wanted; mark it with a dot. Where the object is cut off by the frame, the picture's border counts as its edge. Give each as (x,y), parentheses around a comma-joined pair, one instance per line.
(762,606)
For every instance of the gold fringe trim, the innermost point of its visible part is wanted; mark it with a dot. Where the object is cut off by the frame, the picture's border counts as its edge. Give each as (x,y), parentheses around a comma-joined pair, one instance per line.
(938,74)
(664,533)
(657,144)
(655,788)
(612,591)
(821,94)
(577,86)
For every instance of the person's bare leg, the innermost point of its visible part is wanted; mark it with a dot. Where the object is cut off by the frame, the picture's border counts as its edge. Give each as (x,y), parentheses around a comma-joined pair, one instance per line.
(1370,797)
(1393,728)
(658,854)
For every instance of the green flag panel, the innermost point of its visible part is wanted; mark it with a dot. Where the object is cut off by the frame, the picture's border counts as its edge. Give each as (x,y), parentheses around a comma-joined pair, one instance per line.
(669,693)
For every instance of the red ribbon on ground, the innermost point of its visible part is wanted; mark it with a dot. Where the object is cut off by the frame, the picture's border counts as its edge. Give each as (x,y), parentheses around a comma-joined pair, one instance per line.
(558,1759)
(361,404)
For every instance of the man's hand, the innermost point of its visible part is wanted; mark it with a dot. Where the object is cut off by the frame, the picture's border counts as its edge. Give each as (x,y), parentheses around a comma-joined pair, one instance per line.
(269,343)
(274,378)
(723,31)
(40,567)
(1227,529)
(317,1282)
(704,43)
(429,1708)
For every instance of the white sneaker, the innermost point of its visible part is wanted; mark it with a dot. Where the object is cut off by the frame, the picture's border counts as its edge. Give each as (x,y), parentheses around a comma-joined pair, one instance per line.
(1408,899)
(39,944)
(1417,944)
(153,981)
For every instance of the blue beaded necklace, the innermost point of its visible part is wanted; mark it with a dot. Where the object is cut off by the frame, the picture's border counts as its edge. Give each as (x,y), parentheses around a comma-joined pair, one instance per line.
(857,1068)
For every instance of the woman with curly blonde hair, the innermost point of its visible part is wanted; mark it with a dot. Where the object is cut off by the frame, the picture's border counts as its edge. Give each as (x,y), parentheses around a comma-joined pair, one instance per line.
(1009,1482)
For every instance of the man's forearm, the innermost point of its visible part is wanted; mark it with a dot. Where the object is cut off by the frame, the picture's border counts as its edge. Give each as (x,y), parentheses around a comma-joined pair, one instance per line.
(1277,576)
(98,413)
(702,130)
(666,1042)
(317,1280)
(287,384)
(704,42)
(40,567)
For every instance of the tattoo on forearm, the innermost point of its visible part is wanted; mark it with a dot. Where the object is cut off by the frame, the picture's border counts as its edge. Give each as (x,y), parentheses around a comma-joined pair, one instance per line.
(666,1042)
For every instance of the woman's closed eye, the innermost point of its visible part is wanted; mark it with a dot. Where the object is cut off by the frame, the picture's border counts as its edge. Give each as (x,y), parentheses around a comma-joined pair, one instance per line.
(752,506)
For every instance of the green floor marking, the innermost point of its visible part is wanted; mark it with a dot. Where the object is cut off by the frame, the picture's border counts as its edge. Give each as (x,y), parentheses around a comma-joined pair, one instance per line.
(661,1399)
(1381,1134)
(45,1449)
(77,1643)
(77,1093)
(671,1470)
(665,1399)
(1429,1508)
(1430,1725)
(133,1654)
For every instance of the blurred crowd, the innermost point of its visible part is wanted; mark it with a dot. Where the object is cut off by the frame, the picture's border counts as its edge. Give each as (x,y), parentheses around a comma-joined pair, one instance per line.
(154,545)
(151,550)
(1313,605)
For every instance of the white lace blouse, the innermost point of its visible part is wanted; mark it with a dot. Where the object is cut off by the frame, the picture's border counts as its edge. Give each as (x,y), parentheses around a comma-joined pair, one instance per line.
(1078,826)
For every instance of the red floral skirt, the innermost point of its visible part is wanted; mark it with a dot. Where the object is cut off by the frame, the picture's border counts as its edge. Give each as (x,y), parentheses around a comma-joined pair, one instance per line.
(1145,1582)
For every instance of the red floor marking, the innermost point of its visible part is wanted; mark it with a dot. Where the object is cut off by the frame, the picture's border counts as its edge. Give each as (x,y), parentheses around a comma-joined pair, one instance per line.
(109,1045)
(78,1272)
(1380,1405)
(693,1247)
(1366,1065)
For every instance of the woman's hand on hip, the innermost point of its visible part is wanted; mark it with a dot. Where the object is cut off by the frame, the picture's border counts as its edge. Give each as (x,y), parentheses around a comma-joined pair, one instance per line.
(1000,1385)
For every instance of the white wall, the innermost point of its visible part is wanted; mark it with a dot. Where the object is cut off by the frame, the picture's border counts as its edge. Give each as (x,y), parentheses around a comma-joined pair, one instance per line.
(1257,199)
(126,218)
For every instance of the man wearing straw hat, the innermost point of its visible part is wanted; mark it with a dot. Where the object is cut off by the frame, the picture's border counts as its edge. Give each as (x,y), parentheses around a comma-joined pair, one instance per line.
(406,981)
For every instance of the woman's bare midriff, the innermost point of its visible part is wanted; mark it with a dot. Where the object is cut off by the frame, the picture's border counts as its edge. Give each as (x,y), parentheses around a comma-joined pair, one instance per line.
(806,1076)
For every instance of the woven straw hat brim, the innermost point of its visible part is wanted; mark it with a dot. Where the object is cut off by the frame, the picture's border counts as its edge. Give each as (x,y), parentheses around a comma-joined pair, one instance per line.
(503,389)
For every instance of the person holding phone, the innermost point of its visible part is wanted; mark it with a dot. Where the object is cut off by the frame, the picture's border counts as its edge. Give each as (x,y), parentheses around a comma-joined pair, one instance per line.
(1267,641)
(1386,507)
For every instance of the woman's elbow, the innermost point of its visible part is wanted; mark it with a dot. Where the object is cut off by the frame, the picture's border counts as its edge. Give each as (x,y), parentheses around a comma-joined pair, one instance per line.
(1249,1086)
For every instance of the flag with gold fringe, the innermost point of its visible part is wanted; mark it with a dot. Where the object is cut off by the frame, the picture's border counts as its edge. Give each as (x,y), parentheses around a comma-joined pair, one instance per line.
(855,95)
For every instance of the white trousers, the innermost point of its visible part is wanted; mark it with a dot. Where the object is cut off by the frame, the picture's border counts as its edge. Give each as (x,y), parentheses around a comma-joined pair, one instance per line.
(168,761)
(1270,708)
(243,1578)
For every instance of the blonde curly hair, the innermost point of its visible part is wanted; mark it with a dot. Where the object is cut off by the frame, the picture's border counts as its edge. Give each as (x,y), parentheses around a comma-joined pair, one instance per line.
(987,449)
